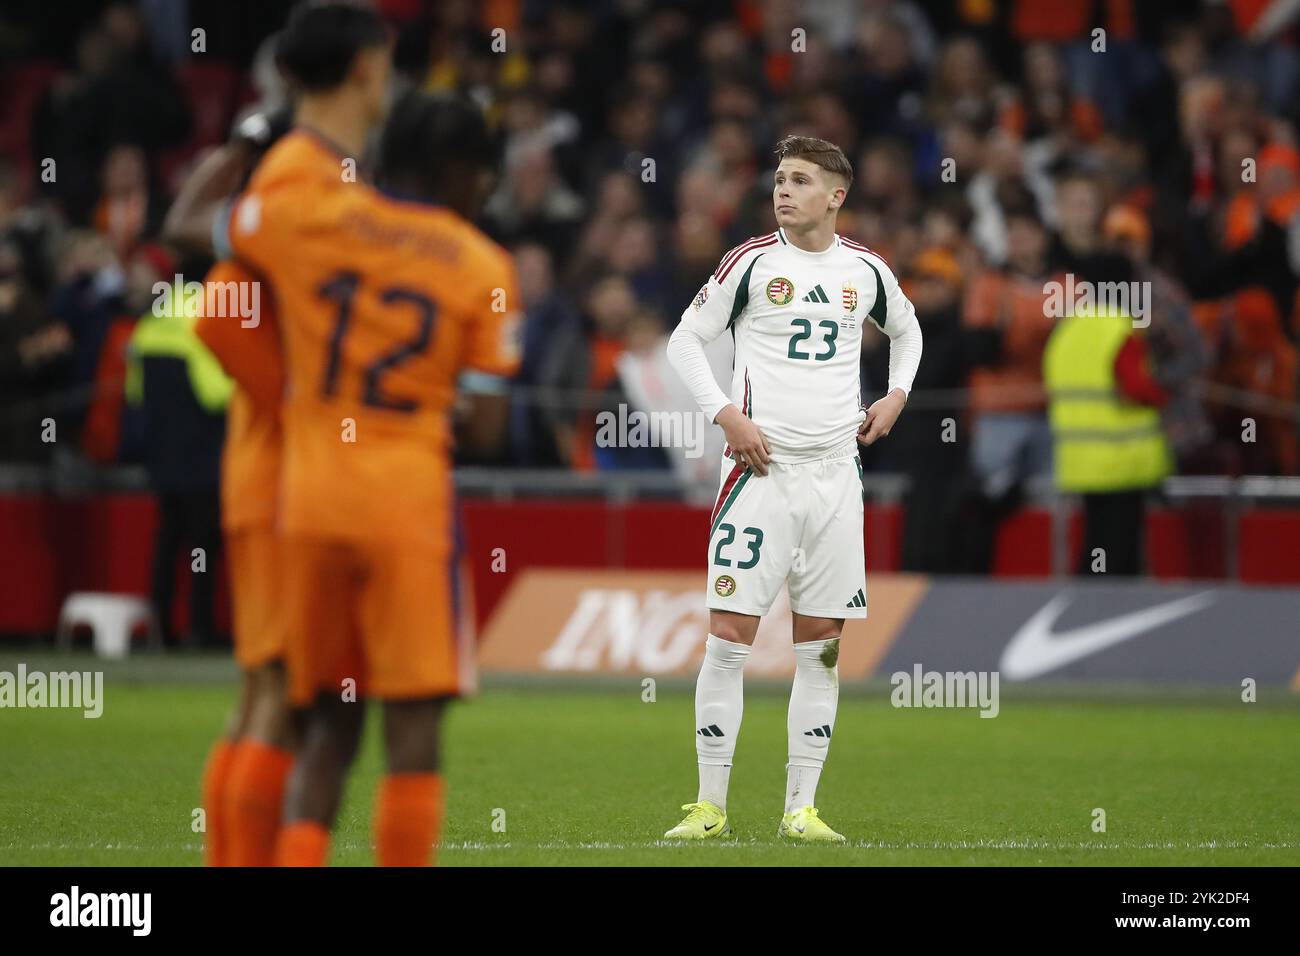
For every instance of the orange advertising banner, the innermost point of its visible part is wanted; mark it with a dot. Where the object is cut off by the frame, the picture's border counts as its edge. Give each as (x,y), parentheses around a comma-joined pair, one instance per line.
(654,623)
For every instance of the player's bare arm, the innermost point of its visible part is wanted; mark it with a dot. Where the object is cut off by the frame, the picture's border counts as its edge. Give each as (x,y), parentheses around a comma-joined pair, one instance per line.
(189,221)
(482,422)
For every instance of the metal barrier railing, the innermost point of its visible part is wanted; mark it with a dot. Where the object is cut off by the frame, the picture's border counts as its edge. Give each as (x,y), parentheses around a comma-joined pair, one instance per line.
(930,399)
(625,487)
(509,484)
(71,476)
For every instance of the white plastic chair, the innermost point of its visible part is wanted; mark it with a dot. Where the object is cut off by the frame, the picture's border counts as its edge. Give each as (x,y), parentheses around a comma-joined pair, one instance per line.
(110,617)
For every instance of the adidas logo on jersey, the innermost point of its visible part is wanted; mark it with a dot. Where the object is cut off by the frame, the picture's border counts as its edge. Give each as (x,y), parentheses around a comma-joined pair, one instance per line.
(859,599)
(817,295)
(823,731)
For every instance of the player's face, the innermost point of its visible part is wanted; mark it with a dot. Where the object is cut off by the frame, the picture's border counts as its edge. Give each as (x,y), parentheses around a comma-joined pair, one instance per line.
(804,194)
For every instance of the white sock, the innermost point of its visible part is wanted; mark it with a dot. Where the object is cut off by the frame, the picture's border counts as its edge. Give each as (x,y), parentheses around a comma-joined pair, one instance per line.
(800,786)
(719,703)
(813,701)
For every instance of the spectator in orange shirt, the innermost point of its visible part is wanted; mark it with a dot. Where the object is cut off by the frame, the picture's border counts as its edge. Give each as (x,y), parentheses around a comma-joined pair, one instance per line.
(1004,309)
(128,210)
(1046,108)
(1257,358)
(592,365)
(581,363)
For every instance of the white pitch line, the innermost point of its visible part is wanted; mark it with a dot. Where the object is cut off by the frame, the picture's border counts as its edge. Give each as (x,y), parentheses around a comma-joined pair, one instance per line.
(868,845)
(722,845)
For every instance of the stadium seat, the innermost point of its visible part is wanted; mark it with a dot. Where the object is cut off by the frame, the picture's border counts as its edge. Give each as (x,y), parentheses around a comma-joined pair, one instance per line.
(111,618)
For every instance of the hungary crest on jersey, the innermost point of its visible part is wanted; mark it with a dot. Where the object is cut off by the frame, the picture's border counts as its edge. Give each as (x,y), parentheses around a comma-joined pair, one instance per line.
(780,291)
(850,297)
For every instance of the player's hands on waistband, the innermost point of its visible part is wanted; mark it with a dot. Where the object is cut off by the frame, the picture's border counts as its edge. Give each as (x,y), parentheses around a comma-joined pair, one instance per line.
(748,445)
(881,416)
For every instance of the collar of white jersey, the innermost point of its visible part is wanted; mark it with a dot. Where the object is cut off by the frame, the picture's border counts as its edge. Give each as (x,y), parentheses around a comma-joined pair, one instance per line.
(835,244)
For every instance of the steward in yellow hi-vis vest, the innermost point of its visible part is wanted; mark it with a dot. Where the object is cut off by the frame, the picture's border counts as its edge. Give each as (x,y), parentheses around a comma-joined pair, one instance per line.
(1104,441)
(181,394)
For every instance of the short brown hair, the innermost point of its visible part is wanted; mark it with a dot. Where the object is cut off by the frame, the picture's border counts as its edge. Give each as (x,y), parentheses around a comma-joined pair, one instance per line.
(819,152)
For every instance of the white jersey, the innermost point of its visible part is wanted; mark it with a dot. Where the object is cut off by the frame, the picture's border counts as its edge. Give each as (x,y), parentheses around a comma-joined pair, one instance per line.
(797,319)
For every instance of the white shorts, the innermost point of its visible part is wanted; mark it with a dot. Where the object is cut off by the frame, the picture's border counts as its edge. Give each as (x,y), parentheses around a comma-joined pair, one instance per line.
(801,524)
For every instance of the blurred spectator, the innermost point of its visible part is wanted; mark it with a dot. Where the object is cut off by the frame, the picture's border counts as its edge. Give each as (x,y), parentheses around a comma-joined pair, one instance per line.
(924,443)
(1109,446)
(1256,360)
(117,93)
(888,86)
(127,210)
(886,183)
(1046,109)
(89,295)
(533,203)
(1178,354)
(33,350)
(1008,325)
(647,379)
(638,254)
(182,393)
(637,145)
(1077,249)
(698,247)
(589,366)
(964,87)
(111,432)
(550,323)
(1262,223)
(618,200)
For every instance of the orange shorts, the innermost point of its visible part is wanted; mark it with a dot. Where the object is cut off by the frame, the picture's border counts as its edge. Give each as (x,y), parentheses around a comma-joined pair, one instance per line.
(389,617)
(256,572)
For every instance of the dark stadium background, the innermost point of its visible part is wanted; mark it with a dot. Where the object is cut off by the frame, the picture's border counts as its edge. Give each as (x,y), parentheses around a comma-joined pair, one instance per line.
(1164,702)
(583,93)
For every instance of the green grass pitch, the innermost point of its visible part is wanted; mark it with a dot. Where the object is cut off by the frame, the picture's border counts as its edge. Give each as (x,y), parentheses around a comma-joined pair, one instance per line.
(594,776)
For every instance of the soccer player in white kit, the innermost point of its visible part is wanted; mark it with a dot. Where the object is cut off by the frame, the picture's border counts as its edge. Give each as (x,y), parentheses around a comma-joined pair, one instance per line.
(790,507)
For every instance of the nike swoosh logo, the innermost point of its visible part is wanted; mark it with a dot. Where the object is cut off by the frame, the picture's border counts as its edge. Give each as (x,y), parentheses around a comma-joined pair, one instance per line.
(1036,649)
(709,827)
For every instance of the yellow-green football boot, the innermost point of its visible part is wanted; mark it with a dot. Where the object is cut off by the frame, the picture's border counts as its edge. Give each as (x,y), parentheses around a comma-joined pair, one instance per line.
(703,821)
(804,824)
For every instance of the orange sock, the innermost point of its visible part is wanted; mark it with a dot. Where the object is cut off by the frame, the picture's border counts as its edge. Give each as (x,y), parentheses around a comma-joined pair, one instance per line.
(302,843)
(408,816)
(216,775)
(254,797)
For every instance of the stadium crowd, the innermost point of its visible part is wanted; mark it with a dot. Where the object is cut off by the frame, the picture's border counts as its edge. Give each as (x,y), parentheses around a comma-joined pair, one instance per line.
(997,144)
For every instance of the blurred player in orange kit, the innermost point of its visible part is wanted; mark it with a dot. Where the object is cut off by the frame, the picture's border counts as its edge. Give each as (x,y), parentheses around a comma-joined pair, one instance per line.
(243,786)
(336,56)
(249,795)
(385,298)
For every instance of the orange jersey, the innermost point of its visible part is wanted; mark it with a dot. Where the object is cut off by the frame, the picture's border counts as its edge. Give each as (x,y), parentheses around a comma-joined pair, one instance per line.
(249,351)
(383,303)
